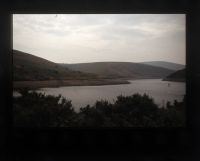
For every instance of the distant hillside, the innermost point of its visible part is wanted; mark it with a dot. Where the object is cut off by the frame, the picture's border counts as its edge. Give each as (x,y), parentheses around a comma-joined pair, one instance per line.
(120,70)
(27,67)
(178,76)
(168,65)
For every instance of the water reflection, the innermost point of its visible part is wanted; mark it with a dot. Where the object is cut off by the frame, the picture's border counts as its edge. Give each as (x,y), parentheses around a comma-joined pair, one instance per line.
(160,91)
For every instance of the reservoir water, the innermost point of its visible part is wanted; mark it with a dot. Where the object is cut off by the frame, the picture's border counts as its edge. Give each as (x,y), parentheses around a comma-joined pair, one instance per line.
(160,91)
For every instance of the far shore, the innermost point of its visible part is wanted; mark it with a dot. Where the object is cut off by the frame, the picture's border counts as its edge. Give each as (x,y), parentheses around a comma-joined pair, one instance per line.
(60,83)
(174,79)
(33,85)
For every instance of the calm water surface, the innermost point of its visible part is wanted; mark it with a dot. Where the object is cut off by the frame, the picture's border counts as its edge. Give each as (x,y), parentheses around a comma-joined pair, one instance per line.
(160,91)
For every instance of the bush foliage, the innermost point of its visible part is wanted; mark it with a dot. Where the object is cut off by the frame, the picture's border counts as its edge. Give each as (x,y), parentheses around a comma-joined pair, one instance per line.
(34,109)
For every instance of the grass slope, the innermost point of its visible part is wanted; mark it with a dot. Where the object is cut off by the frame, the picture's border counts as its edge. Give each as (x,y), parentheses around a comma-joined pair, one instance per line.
(121,70)
(178,76)
(27,67)
(168,65)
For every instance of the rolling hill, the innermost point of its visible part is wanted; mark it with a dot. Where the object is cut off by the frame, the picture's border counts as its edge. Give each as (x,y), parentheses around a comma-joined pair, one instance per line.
(33,72)
(168,65)
(120,70)
(27,67)
(178,76)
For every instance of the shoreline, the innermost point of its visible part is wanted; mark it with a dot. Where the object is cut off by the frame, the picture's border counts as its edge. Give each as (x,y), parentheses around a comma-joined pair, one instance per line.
(34,85)
(59,83)
(174,80)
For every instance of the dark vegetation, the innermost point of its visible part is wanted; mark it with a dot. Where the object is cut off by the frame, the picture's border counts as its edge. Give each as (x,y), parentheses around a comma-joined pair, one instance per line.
(178,76)
(34,109)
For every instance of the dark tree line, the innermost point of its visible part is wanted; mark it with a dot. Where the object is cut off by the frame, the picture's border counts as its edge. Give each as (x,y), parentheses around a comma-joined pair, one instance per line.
(34,109)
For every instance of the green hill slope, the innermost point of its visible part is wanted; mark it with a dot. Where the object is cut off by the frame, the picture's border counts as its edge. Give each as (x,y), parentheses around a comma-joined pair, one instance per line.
(120,70)
(178,76)
(168,65)
(27,67)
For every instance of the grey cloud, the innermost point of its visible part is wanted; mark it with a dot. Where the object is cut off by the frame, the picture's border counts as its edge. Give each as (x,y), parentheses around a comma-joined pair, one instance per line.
(103,33)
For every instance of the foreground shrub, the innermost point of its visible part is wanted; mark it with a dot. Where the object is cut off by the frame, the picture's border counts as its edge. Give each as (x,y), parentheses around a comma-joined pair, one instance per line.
(34,109)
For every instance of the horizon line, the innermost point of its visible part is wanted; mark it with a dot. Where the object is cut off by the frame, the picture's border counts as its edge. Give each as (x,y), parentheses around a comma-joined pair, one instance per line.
(107,61)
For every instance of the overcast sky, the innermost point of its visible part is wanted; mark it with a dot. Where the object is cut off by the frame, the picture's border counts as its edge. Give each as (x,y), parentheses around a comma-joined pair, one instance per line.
(78,38)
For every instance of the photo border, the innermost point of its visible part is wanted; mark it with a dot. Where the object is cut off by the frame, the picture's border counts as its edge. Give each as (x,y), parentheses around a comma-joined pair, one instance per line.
(86,140)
